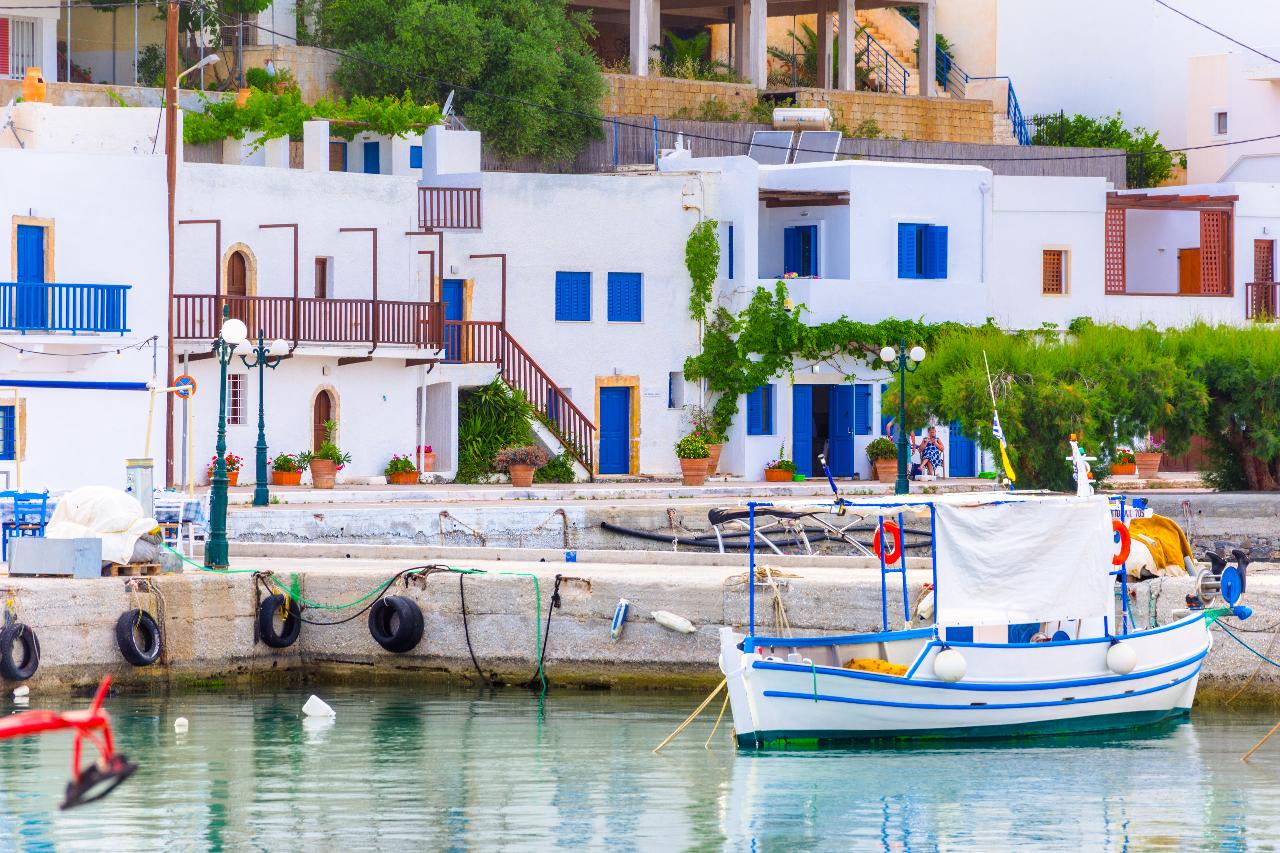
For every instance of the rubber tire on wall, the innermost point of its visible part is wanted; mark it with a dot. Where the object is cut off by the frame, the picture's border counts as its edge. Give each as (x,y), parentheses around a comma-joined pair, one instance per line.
(127,640)
(407,634)
(289,631)
(10,668)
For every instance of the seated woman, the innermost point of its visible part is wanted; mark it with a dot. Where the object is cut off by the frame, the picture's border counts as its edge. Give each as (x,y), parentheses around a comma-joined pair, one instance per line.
(931,452)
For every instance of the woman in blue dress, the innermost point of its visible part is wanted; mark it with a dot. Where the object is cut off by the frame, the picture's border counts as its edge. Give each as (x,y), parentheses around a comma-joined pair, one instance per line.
(931,452)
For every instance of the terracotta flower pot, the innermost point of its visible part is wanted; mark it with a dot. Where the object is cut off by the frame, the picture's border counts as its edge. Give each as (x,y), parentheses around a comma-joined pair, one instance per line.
(886,470)
(521,475)
(1148,464)
(286,478)
(713,461)
(694,471)
(233,477)
(1122,468)
(323,473)
(777,475)
(403,478)
(428,462)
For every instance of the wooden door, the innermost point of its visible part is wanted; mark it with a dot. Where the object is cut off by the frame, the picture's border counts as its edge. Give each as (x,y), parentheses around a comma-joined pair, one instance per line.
(322,278)
(237,287)
(1189,271)
(321,411)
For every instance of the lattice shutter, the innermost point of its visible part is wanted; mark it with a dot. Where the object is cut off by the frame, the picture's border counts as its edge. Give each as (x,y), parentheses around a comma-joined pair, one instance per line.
(1215,254)
(1264,260)
(4,47)
(1115,236)
(1052,280)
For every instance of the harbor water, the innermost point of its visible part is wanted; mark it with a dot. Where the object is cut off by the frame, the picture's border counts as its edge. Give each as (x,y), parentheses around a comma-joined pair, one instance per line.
(435,768)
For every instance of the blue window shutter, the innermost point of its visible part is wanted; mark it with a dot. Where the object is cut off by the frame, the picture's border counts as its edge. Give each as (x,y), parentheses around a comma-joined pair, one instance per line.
(730,251)
(791,250)
(908,235)
(415,156)
(755,412)
(935,251)
(862,409)
(8,433)
(767,391)
(813,249)
(573,296)
(626,300)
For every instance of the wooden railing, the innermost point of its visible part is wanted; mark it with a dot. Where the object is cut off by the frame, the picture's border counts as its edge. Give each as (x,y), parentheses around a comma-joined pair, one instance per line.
(319,321)
(481,341)
(38,307)
(1263,300)
(448,207)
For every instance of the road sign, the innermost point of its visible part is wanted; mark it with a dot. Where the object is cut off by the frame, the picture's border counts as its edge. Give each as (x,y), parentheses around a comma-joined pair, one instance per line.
(186,386)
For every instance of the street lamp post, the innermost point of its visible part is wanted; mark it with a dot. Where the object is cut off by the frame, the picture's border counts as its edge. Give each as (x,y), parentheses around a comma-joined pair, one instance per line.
(232,335)
(263,357)
(902,362)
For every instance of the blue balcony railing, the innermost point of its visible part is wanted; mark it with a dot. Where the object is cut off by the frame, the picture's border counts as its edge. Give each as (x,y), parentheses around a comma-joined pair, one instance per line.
(75,308)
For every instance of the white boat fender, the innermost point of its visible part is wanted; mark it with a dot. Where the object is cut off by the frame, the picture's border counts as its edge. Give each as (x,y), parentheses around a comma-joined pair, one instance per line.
(924,610)
(19,692)
(317,707)
(949,665)
(676,623)
(1121,658)
(619,618)
(181,725)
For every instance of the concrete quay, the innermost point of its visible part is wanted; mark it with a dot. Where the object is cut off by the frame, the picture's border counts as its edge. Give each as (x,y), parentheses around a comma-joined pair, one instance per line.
(209,618)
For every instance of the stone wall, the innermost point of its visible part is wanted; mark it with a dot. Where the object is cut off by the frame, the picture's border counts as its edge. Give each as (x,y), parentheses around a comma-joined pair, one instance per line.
(897,116)
(312,67)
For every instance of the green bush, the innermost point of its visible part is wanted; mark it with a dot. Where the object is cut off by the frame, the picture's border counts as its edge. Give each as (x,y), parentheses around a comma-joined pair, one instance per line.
(1148,165)
(692,446)
(558,470)
(881,448)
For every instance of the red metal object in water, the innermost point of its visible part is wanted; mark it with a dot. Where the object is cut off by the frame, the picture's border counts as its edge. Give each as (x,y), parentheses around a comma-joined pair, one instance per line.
(87,783)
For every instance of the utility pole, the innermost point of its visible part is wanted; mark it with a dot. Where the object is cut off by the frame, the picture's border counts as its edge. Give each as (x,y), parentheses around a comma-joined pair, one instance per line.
(170,106)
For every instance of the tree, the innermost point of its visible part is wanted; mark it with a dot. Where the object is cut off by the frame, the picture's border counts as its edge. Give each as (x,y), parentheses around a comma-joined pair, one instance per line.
(1148,165)
(523,71)
(803,62)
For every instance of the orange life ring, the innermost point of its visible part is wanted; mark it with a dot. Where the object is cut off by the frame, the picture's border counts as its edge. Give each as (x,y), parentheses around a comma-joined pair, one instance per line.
(1122,531)
(896,535)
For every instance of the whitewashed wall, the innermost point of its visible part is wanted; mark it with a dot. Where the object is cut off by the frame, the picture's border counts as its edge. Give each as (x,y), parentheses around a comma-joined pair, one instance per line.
(1245,87)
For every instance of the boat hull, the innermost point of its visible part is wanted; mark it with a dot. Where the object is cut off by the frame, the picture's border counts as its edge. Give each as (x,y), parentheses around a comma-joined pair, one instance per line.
(1009,690)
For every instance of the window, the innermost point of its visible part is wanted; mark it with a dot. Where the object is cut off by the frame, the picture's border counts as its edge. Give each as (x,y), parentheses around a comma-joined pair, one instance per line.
(8,433)
(1053,280)
(573,296)
(236,404)
(1220,123)
(800,250)
(323,268)
(675,390)
(19,47)
(922,250)
(729,251)
(760,411)
(625,297)
(415,156)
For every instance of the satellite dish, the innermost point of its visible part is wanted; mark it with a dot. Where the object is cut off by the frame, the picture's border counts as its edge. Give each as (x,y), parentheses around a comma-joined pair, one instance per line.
(6,123)
(448,105)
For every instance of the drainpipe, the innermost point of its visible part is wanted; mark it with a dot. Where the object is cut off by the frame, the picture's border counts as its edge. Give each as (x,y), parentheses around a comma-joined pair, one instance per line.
(984,189)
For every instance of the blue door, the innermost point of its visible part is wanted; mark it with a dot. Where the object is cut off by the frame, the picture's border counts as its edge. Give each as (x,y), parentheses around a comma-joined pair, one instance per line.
(615,430)
(32,307)
(963,455)
(372,159)
(841,440)
(802,428)
(800,250)
(451,296)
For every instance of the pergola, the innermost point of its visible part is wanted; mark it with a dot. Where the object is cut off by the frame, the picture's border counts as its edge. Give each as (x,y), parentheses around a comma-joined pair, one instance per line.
(747,20)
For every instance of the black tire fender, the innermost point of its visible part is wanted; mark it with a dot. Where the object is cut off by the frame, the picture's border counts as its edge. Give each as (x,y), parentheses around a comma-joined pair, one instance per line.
(395,622)
(19,669)
(138,637)
(289,631)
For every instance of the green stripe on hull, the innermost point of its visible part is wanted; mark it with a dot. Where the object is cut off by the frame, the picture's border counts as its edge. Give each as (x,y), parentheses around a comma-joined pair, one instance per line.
(1097,723)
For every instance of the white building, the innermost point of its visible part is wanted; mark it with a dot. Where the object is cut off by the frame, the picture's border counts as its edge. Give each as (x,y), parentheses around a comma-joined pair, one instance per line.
(398,289)
(28,38)
(1232,98)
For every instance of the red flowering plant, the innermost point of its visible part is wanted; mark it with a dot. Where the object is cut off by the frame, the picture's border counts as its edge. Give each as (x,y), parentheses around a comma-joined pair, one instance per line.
(230,460)
(1124,456)
(399,465)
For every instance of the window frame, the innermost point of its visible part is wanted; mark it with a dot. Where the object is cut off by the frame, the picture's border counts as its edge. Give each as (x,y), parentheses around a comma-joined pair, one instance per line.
(927,266)
(567,283)
(1221,122)
(1064,270)
(237,399)
(9,432)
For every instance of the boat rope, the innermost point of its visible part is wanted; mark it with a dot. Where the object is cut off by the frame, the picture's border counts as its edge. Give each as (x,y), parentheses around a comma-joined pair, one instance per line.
(716,727)
(696,711)
(1232,635)
(813,666)
(1257,669)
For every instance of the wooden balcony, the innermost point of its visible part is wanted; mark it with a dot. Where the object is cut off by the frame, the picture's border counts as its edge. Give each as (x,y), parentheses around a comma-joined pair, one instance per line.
(313,321)
(1263,300)
(448,207)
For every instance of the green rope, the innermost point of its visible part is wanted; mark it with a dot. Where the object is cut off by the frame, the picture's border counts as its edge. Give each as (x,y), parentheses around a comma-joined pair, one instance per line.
(814,667)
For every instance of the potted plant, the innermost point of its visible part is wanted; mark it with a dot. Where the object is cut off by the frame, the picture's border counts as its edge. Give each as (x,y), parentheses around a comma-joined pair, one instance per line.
(1124,462)
(1146,454)
(286,470)
(328,459)
(426,458)
(780,471)
(521,463)
(694,458)
(400,471)
(233,468)
(884,459)
(704,424)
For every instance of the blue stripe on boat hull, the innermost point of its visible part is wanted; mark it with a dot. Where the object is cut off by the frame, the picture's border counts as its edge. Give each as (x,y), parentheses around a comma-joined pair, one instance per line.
(1045,728)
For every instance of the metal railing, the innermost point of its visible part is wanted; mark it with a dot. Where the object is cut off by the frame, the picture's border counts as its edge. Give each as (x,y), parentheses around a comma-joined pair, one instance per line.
(55,307)
(488,342)
(320,321)
(950,76)
(1021,126)
(1263,300)
(885,72)
(448,207)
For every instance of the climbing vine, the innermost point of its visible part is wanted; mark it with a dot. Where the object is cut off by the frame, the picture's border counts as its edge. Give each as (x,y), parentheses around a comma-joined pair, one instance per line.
(277,114)
(702,259)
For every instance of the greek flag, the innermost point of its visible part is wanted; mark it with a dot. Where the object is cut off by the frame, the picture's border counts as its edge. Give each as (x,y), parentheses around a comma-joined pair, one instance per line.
(1004,454)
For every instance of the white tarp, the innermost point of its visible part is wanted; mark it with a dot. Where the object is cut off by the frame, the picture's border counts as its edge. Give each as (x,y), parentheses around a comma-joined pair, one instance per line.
(1029,561)
(101,512)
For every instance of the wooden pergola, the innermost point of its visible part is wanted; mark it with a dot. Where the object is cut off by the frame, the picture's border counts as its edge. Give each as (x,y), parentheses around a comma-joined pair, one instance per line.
(1217,238)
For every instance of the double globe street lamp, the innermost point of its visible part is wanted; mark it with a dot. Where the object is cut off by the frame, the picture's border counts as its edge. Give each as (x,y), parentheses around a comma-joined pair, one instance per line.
(263,357)
(902,361)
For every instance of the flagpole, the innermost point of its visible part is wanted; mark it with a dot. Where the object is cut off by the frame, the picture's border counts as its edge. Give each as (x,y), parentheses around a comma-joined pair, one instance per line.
(990,388)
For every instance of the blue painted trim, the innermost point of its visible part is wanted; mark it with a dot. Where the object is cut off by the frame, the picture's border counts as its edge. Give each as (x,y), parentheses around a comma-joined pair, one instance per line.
(922,657)
(981,686)
(846,639)
(1181,623)
(1006,706)
(82,386)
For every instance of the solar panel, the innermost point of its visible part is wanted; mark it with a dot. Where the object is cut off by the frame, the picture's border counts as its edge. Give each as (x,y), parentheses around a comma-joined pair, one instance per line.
(770,147)
(817,146)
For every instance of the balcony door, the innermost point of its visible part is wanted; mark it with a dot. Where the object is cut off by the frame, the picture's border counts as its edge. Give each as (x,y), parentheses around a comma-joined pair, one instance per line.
(321,412)
(236,286)
(32,308)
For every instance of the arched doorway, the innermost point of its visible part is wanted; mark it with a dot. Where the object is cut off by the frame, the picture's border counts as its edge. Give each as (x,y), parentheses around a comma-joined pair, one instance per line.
(239,282)
(323,409)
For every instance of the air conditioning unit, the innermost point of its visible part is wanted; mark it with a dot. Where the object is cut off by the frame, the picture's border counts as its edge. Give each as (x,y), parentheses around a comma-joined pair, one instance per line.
(802,118)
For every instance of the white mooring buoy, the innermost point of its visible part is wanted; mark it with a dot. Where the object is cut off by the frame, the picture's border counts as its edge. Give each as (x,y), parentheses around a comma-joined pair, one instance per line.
(317,707)
(181,725)
(673,621)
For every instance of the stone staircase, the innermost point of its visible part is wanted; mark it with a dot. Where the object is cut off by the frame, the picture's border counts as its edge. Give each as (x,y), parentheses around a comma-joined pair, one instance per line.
(906,57)
(1001,127)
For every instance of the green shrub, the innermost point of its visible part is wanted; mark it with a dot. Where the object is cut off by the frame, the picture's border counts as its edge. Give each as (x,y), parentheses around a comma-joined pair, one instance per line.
(881,448)
(1148,165)
(558,470)
(489,418)
(692,446)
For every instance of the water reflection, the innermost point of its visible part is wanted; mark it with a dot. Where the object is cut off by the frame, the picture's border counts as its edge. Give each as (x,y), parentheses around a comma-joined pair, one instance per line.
(483,769)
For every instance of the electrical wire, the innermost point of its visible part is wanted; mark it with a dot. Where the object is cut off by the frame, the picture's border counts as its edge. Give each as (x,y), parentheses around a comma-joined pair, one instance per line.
(151,341)
(1201,23)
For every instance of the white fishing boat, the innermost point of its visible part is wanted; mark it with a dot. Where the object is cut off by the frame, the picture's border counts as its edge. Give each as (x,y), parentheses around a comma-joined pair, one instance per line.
(1027,637)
